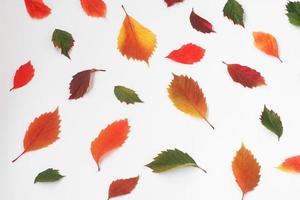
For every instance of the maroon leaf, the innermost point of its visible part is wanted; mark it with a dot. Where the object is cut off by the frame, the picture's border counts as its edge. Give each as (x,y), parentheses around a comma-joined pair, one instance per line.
(172,2)
(200,24)
(122,186)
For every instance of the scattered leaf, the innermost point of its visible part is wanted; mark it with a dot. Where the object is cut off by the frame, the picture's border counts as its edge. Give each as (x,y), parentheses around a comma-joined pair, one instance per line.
(49,175)
(291,165)
(171,159)
(188,97)
(271,121)
(122,186)
(81,82)
(293,12)
(187,54)
(246,170)
(172,2)
(63,40)
(42,132)
(109,139)
(23,75)
(135,41)
(37,9)
(244,75)
(266,43)
(94,8)
(233,10)
(126,95)
(200,24)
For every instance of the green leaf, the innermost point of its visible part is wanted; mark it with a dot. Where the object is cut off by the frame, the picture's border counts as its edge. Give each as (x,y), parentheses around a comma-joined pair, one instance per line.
(293,12)
(126,95)
(171,159)
(234,11)
(49,175)
(63,40)
(271,121)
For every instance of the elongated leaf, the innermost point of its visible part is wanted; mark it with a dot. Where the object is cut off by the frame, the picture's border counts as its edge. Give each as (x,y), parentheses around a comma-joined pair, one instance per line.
(126,95)
(49,175)
(122,186)
(234,11)
(187,54)
(200,24)
(37,9)
(291,165)
(271,121)
(171,159)
(63,40)
(293,12)
(94,8)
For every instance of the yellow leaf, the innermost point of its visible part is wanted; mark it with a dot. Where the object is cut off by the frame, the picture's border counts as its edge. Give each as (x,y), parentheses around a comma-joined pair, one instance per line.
(188,97)
(136,41)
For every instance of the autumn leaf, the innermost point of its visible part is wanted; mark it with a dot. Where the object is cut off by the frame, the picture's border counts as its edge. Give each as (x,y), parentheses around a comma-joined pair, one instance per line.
(23,75)
(171,159)
(271,121)
(188,97)
(200,24)
(122,186)
(187,54)
(49,175)
(233,10)
(126,95)
(293,12)
(172,2)
(244,75)
(42,132)
(135,41)
(63,40)
(109,139)
(81,82)
(94,8)
(291,165)
(266,43)
(37,9)
(246,170)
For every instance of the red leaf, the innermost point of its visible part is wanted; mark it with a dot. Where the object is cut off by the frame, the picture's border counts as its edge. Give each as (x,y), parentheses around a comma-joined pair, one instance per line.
(187,54)
(245,75)
(122,186)
(23,75)
(80,83)
(94,8)
(200,24)
(172,2)
(37,9)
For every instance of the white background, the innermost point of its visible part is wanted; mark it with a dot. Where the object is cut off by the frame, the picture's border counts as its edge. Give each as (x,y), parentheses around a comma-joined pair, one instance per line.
(156,125)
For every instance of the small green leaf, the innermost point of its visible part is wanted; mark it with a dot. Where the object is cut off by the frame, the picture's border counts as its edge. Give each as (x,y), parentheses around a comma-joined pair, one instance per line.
(234,11)
(63,40)
(49,175)
(171,159)
(126,95)
(293,12)
(271,121)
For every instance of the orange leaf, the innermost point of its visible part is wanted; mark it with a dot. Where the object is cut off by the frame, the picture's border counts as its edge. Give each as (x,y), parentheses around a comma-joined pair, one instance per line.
(23,75)
(136,41)
(291,164)
(42,132)
(110,138)
(94,8)
(188,97)
(246,170)
(37,9)
(122,186)
(266,43)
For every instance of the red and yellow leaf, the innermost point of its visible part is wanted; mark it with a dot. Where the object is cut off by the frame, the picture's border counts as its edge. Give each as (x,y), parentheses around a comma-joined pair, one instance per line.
(187,54)
(200,24)
(42,132)
(109,139)
(245,75)
(246,170)
(188,97)
(136,41)
(122,186)
(172,2)
(37,9)
(23,75)
(94,8)
(266,43)
(291,165)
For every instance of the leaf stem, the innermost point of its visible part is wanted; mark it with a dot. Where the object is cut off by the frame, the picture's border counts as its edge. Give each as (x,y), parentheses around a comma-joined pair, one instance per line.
(18,157)
(243,196)
(209,123)
(202,169)
(280,59)
(98,70)
(124,9)
(224,63)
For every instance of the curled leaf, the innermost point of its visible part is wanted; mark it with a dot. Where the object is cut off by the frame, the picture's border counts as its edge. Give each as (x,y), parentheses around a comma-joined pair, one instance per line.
(23,75)
(49,175)
(187,54)
(94,8)
(291,165)
(122,186)
(63,40)
(126,95)
(37,9)
(200,24)
(233,10)
(271,121)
